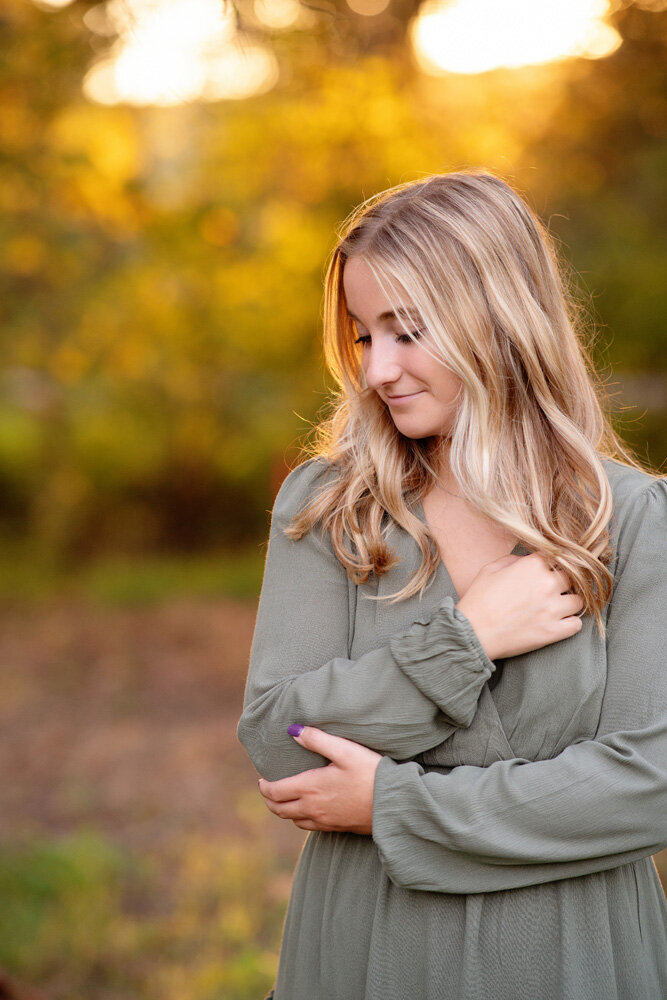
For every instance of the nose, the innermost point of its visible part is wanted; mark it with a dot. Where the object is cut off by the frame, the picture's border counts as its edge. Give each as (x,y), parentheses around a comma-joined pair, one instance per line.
(381,363)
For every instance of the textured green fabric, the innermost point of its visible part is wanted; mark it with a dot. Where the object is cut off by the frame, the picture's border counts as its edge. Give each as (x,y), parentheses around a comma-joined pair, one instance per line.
(516,804)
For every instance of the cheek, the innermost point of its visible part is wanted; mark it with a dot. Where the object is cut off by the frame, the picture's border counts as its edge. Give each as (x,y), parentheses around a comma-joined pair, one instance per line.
(446,385)
(454,382)
(455,387)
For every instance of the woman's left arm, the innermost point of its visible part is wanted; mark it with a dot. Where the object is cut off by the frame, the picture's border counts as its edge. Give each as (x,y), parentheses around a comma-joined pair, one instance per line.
(599,804)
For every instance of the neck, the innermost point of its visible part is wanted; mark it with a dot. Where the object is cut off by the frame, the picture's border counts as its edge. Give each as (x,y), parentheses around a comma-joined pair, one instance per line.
(445,479)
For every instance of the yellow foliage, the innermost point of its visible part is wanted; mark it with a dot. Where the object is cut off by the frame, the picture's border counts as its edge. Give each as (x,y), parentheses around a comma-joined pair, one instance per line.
(16,194)
(108,204)
(163,266)
(18,123)
(107,137)
(219,226)
(24,255)
(291,231)
(69,364)
(128,357)
(197,435)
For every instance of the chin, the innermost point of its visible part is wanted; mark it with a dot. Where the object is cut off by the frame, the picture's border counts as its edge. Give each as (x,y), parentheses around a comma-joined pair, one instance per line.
(417,434)
(418,431)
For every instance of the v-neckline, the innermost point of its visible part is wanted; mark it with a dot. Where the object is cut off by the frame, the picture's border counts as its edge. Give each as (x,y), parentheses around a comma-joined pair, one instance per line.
(518,550)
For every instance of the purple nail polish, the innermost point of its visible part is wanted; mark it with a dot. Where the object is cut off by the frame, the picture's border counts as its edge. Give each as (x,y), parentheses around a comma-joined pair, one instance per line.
(295,729)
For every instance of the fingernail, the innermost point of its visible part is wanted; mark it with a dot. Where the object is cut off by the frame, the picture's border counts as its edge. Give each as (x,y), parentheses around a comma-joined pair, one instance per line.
(295,729)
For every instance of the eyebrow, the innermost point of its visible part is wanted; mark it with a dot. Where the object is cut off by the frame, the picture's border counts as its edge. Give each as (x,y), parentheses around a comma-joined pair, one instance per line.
(392,314)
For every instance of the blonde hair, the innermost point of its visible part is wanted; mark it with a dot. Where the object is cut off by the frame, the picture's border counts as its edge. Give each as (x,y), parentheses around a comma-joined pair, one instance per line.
(529,431)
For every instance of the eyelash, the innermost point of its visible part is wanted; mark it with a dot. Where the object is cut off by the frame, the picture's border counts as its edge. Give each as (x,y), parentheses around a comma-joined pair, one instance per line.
(401,338)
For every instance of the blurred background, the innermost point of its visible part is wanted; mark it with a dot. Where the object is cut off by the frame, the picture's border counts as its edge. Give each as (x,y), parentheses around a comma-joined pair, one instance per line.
(173,173)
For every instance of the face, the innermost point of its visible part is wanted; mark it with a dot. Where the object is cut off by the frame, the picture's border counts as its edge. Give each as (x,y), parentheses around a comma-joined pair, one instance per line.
(419,391)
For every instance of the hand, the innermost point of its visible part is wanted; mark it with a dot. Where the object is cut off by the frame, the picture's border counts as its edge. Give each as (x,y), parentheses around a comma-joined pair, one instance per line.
(338,797)
(517,603)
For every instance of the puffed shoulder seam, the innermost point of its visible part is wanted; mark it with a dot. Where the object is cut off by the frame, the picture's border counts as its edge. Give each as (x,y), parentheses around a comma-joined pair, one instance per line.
(648,500)
(658,490)
(298,487)
(630,488)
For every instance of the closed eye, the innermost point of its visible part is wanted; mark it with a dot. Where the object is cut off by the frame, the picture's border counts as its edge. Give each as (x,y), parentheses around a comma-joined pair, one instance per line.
(401,338)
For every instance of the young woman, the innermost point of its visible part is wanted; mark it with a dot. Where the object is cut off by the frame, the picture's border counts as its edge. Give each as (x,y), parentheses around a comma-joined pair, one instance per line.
(458,678)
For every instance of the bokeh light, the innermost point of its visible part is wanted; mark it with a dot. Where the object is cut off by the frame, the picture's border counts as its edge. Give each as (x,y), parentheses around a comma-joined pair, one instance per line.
(277,13)
(473,36)
(53,4)
(170,52)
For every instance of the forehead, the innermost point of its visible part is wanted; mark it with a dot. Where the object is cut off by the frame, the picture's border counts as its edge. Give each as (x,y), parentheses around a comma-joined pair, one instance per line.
(370,295)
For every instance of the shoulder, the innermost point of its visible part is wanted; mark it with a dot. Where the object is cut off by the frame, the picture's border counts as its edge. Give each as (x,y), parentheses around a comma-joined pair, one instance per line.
(640,506)
(632,487)
(300,486)
(626,482)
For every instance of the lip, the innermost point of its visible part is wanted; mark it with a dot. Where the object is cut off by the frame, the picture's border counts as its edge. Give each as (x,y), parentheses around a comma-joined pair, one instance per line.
(399,399)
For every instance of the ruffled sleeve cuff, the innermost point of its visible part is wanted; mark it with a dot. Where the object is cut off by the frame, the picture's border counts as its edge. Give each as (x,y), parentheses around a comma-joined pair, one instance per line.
(445,660)
(397,812)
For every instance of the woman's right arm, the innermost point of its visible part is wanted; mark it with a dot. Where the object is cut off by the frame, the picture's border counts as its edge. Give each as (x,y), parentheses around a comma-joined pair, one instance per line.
(300,670)
(598,804)
(400,699)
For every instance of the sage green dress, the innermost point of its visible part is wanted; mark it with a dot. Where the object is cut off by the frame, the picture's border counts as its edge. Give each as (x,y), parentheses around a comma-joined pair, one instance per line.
(516,805)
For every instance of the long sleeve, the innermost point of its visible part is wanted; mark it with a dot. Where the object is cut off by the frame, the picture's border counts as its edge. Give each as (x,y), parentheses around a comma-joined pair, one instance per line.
(600,803)
(400,699)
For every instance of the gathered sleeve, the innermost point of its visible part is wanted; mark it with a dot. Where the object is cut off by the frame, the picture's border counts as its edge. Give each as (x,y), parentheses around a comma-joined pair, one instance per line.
(399,699)
(600,803)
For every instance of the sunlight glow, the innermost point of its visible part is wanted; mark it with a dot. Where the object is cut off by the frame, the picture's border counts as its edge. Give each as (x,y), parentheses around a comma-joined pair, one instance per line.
(277,13)
(170,52)
(53,4)
(473,36)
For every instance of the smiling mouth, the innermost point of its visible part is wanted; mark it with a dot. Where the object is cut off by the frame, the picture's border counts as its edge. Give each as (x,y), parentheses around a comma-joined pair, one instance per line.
(402,398)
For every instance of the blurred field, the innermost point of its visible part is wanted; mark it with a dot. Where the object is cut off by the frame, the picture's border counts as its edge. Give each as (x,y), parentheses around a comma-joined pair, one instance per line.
(137,861)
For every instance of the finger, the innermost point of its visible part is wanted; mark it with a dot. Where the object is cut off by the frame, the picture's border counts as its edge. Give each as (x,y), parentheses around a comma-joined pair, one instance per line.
(307,824)
(571,625)
(283,790)
(287,789)
(288,810)
(563,581)
(564,628)
(570,604)
(557,575)
(334,748)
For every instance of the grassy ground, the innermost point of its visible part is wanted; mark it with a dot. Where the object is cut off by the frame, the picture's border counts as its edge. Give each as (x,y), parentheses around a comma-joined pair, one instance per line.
(137,861)
(30,577)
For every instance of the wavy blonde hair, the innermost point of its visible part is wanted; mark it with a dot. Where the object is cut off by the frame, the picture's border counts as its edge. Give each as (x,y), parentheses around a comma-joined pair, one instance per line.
(529,431)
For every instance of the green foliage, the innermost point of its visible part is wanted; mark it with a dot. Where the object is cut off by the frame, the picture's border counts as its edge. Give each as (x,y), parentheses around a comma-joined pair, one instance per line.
(199,921)
(59,900)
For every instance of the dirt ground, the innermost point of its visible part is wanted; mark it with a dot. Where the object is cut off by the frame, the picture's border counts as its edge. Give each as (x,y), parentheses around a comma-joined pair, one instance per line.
(123,720)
